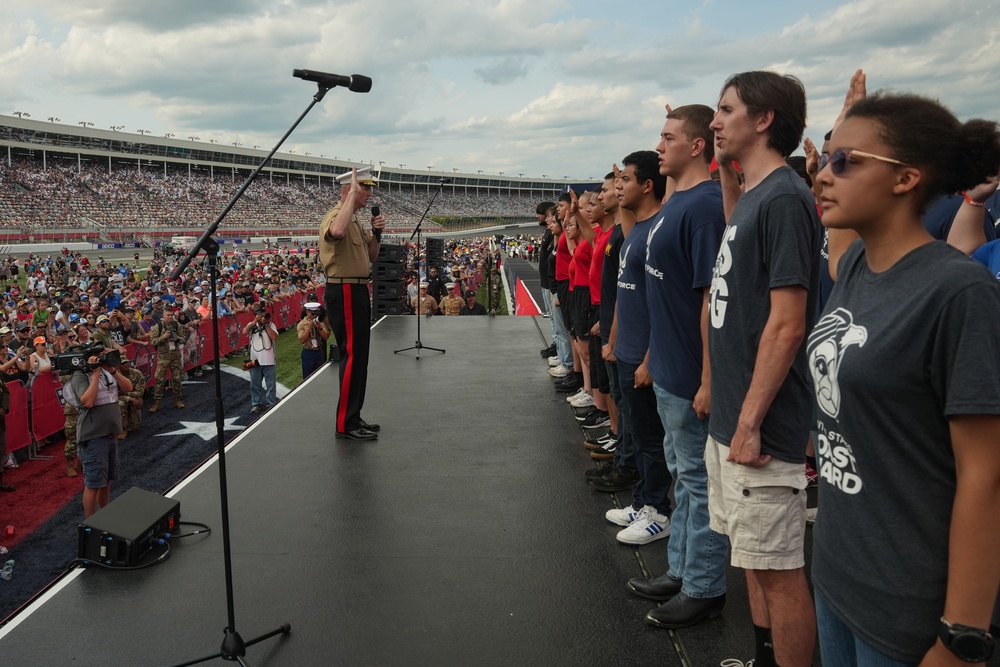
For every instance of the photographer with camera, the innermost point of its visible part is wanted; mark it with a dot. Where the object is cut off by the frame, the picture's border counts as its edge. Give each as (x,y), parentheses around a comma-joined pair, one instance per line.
(95,391)
(168,337)
(313,334)
(263,334)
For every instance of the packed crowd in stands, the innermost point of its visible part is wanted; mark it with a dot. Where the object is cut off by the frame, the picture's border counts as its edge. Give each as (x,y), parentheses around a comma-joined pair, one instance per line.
(733,327)
(61,198)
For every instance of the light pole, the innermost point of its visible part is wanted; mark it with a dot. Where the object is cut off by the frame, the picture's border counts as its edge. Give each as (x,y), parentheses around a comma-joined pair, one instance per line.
(115,128)
(143,132)
(169,135)
(53,119)
(22,114)
(194,138)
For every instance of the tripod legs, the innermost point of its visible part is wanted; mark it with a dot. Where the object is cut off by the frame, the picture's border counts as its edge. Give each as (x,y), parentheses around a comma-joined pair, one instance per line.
(234,648)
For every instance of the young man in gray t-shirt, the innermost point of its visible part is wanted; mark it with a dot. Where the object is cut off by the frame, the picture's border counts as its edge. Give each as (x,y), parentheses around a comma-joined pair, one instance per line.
(761,306)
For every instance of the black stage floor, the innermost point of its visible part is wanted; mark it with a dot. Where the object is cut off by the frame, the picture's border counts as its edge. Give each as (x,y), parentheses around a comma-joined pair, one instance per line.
(466,535)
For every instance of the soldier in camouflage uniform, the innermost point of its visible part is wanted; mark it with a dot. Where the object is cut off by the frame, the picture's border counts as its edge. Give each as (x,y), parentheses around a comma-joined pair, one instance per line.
(131,402)
(69,449)
(168,338)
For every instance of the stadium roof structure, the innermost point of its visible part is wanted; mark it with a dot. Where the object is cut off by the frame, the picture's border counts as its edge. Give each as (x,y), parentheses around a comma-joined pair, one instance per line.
(66,143)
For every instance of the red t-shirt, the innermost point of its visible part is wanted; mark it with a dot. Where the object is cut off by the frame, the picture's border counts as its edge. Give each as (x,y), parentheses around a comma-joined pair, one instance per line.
(562,259)
(597,263)
(581,260)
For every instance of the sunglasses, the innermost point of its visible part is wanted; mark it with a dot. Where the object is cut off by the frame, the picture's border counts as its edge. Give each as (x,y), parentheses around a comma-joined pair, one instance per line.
(840,158)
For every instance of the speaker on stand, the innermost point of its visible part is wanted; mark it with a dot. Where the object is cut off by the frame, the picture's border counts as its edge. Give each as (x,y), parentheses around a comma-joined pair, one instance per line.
(388,284)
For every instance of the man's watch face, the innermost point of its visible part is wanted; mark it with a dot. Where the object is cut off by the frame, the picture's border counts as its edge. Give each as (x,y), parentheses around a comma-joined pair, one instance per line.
(972,647)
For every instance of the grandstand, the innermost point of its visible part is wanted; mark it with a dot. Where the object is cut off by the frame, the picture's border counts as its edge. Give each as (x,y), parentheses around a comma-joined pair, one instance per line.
(60,183)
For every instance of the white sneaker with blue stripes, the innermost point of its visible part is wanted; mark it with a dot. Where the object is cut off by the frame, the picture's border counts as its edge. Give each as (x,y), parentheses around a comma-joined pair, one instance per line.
(622,517)
(648,527)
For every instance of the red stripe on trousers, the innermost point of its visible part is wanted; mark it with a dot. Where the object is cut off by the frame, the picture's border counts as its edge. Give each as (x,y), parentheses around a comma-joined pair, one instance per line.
(345,385)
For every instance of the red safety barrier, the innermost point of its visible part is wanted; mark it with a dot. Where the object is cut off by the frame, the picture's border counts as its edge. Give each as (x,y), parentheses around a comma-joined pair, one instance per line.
(16,420)
(46,411)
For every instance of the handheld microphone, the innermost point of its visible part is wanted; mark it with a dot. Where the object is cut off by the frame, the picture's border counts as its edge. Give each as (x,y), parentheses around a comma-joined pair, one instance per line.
(358,83)
(375,211)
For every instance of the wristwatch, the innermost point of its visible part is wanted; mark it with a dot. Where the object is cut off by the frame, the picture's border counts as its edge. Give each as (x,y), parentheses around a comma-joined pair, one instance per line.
(968,643)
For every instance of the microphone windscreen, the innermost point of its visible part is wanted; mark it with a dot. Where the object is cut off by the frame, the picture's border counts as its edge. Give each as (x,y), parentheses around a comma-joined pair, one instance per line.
(360,83)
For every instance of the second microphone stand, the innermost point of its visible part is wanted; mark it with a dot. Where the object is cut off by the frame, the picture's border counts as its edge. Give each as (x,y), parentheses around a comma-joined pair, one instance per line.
(416,232)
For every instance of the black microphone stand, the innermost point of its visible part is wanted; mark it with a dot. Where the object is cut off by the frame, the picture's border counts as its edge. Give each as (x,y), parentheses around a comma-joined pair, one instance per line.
(420,314)
(233,646)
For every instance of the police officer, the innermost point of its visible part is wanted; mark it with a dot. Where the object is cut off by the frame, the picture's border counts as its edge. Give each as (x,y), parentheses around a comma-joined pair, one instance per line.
(347,250)
(168,338)
(131,402)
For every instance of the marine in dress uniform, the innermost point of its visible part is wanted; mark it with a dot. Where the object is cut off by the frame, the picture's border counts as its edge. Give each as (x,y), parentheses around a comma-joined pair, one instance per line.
(347,250)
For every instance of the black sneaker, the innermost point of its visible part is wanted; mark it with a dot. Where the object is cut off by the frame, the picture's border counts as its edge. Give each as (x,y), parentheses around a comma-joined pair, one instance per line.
(586,415)
(619,479)
(569,385)
(596,419)
(550,351)
(598,472)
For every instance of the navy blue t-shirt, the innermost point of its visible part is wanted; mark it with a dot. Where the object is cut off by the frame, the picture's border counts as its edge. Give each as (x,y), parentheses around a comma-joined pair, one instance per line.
(680,256)
(609,280)
(941,212)
(633,316)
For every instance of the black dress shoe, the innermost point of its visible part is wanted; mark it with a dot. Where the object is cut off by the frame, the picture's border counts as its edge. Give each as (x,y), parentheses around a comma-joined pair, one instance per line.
(7,487)
(660,589)
(683,611)
(374,428)
(357,434)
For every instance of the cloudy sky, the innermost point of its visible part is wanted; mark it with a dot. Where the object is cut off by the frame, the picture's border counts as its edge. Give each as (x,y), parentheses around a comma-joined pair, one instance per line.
(537,87)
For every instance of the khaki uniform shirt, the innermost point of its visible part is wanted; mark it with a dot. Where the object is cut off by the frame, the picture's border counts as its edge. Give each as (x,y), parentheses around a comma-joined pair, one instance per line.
(346,257)
(452,305)
(313,342)
(429,303)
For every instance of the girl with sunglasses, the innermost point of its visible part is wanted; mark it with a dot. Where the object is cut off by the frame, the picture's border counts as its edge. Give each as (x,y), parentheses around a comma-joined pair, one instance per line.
(905,361)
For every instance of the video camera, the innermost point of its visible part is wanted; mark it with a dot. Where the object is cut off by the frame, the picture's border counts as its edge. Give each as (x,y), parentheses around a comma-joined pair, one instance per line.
(77,358)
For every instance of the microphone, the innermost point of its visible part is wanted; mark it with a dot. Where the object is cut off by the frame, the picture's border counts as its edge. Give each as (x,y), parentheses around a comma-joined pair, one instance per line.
(358,83)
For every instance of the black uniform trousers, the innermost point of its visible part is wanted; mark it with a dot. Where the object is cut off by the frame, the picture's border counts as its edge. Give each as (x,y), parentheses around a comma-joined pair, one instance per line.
(349,310)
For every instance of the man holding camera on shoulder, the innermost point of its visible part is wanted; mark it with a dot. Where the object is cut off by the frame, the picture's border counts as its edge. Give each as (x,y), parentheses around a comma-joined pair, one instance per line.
(263,334)
(100,422)
(168,338)
(313,334)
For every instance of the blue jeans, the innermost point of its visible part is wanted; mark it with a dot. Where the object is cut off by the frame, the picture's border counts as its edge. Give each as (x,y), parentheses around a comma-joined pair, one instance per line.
(696,554)
(646,432)
(624,452)
(839,647)
(560,336)
(266,396)
(546,300)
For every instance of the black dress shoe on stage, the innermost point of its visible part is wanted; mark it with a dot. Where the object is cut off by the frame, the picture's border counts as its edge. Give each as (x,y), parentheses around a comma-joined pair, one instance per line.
(374,428)
(660,589)
(683,611)
(357,434)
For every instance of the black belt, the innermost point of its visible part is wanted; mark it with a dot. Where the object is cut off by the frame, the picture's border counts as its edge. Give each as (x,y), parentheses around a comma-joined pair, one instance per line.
(351,281)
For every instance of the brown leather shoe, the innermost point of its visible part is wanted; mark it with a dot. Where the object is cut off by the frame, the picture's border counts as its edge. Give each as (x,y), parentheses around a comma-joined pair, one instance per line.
(71,471)
(179,404)
(154,407)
